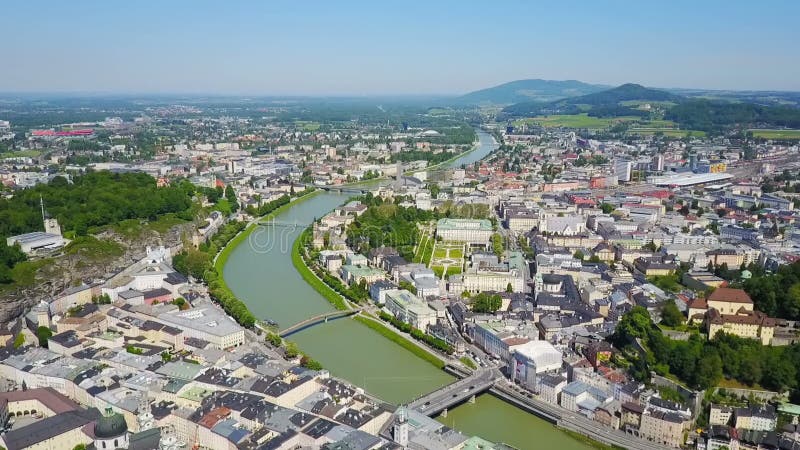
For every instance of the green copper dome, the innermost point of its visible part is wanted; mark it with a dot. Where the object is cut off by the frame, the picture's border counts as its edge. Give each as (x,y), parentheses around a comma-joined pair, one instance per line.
(111,426)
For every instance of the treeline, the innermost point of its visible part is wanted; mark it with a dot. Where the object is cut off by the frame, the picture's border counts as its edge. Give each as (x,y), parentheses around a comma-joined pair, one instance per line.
(357,293)
(702,363)
(777,294)
(417,155)
(199,264)
(710,115)
(268,207)
(432,341)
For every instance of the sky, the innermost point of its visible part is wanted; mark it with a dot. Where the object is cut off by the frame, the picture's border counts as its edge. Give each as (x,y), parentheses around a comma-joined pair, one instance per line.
(377,47)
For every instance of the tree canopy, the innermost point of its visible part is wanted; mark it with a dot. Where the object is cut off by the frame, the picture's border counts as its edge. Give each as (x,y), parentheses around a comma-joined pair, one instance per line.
(486,303)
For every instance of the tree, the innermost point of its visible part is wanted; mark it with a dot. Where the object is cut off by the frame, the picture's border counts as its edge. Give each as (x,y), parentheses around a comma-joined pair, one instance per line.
(671,316)
(509,288)
(180,302)
(274,339)
(43,333)
(497,244)
(19,341)
(166,357)
(607,208)
(434,188)
(407,285)
(486,303)
(291,351)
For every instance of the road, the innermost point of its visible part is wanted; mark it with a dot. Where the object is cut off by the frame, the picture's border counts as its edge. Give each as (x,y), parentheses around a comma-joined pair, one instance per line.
(578,423)
(457,392)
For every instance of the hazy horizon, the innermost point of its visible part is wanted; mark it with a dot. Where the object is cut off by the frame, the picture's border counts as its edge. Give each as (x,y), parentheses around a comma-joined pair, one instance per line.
(366,49)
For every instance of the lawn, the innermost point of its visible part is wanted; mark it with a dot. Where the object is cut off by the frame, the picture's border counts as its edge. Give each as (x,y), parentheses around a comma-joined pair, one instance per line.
(91,248)
(440,253)
(311,278)
(468,362)
(666,132)
(307,126)
(776,134)
(21,154)
(574,121)
(165,222)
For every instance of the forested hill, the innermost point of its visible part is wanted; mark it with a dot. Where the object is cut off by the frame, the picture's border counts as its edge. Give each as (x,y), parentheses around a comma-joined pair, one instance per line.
(91,201)
(706,115)
(689,113)
(610,100)
(529,90)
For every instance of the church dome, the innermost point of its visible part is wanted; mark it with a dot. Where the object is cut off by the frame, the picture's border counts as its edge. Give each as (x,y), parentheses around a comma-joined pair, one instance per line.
(108,427)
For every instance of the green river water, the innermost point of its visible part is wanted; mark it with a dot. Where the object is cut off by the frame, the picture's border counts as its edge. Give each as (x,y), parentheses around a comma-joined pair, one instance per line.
(260,272)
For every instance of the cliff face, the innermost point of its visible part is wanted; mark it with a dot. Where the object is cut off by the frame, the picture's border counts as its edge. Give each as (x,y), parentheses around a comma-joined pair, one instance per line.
(88,265)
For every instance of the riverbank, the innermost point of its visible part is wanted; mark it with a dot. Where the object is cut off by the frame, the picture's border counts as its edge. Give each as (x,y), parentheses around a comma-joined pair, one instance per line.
(475,146)
(336,300)
(386,332)
(215,280)
(224,254)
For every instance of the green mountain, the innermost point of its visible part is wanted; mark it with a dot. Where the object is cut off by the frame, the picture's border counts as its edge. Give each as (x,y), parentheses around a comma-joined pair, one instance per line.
(602,103)
(529,90)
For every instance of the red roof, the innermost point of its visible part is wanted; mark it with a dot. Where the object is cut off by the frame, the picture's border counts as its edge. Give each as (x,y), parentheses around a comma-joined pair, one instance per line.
(731,295)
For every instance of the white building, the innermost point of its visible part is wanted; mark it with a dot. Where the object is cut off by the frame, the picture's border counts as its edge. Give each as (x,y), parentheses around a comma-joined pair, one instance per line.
(408,308)
(469,231)
(532,359)
(207,323)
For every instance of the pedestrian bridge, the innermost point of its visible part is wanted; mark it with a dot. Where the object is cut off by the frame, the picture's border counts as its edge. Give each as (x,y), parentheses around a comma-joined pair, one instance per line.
(280,223)
(465,389)
(339,189)
(321,318)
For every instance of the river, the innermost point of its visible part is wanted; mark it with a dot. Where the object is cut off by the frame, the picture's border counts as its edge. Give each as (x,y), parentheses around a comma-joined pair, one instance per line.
(260,272)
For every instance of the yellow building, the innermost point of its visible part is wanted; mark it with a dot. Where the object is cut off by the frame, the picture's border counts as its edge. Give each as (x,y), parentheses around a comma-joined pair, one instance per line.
(729,301)
(746,324)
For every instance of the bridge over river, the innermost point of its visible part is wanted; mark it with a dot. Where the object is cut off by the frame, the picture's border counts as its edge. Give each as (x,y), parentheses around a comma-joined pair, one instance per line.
(311,321)
(465,389)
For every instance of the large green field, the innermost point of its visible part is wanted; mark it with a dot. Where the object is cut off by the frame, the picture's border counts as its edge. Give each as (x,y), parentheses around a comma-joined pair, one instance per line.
(669,132)
(21,154)
(776,134)
(305,125)
(573,121)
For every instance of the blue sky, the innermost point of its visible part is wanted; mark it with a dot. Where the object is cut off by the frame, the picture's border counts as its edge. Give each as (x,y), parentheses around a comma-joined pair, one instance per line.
(388,47)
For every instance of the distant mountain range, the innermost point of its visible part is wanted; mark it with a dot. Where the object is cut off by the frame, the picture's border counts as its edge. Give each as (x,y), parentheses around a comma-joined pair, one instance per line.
(530,90)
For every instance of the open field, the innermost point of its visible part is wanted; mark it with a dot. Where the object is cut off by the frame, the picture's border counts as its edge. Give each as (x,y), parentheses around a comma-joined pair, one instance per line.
(666,132)
(21,154)
(307,126)
(776,134)
(573,121)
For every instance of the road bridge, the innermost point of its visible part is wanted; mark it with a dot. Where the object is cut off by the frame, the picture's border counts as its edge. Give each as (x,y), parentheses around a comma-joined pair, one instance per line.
(465,389)
(339,189)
